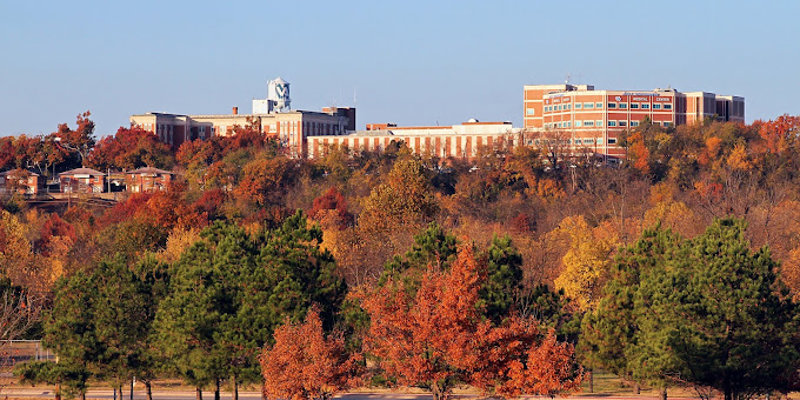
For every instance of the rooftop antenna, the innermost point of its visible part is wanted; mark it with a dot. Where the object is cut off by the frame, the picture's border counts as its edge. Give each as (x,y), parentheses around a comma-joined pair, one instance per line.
(354,97)
(569,76)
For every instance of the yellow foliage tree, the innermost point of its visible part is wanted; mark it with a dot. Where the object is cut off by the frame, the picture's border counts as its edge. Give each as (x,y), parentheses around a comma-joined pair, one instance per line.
(586,262)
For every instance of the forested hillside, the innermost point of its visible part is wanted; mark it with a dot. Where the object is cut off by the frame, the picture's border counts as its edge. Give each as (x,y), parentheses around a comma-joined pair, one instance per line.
(517,272)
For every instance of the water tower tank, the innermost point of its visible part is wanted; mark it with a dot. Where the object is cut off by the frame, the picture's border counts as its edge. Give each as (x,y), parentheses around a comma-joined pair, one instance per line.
(278,93)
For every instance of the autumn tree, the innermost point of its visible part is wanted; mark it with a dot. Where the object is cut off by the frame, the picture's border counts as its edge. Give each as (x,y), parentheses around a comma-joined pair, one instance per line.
(304,363)
(78,142)
(585,263)
(436,338)
(404,199)
(131,148)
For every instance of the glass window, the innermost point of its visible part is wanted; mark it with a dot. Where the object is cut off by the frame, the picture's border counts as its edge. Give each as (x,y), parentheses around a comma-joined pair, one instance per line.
(567,107)
(623,105)
(634,106)
(588,141)
(623,123)
(599,123)
(578,124)
(569,123)
(588,123)
(588,105)
(612,123)
(667,123)
(645,106)
(598,105)
(667,106)
(612,105)
(612,140)
(577,106)
(656,106)
(599,141)
(634,123)
(531,111)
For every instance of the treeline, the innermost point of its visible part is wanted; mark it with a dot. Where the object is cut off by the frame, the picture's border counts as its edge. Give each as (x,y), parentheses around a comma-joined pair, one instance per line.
(518,272)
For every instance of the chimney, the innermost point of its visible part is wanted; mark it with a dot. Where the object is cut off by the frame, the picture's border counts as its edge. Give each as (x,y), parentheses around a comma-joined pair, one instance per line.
(235,110)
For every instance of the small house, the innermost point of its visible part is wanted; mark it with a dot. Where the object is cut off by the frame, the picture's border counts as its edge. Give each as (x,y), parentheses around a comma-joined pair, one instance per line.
(147,179)
(82,180)
(19,181)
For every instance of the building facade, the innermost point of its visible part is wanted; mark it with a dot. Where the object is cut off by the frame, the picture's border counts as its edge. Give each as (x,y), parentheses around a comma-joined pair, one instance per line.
(147,179)
(82,180)
(461,141)
(272,116)
(20,181)
(596,118)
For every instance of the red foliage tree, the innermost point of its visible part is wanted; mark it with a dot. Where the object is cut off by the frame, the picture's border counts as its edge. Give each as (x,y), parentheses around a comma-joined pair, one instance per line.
(436,338)
(131,148)
(54,226)
(331,202)
(306,364)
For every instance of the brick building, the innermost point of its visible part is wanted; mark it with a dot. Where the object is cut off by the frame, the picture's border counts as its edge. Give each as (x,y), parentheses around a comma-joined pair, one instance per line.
(461,141)
(82,180)
(19,181)
(271,116)
(595,118)
(147,179)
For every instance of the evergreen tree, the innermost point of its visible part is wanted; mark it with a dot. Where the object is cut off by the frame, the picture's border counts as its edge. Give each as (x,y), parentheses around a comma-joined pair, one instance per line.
(71,332)
(730,325)
(503,280)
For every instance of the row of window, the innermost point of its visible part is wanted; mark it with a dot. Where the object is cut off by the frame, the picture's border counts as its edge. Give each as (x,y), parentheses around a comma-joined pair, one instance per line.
(584,141)
(611,106)
(599,123)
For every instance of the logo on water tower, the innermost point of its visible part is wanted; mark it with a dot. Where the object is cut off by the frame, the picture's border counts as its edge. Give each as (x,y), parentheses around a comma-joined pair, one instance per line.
(281,91)
(278,94)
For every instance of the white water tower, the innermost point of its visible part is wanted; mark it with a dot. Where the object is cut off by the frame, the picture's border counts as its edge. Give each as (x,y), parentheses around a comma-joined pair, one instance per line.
(278,94)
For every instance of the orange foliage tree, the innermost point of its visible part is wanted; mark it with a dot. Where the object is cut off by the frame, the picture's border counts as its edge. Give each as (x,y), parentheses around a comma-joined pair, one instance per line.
(304,364)
(436,338)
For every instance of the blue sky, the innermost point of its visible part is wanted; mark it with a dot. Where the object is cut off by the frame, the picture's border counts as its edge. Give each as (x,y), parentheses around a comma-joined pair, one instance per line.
(408,62)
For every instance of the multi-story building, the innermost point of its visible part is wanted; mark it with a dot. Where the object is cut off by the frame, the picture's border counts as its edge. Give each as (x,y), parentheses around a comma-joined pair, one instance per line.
(270,116)
(461,141)
(596,118)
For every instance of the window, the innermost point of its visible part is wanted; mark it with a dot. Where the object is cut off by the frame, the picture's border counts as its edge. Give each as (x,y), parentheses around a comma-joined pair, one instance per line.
(531,111)
(588,123)
(612,141)
(588,106)
(634,123)
(569,123)
(656,106)
(578,124)
(623,105)
(634,106)
(599,141)
(577,106)
(598,105)
(668,106)
(588,141)
(667,123)
(612,123)
(623,123)
(645,106)
(612,105)
(567,107)
(600,123)
(536,142)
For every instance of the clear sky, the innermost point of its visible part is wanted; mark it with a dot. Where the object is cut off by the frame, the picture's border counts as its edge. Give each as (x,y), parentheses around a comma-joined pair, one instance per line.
(409,62)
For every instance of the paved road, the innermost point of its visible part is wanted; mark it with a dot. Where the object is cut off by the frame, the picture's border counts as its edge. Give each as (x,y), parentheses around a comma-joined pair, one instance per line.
(209,395)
